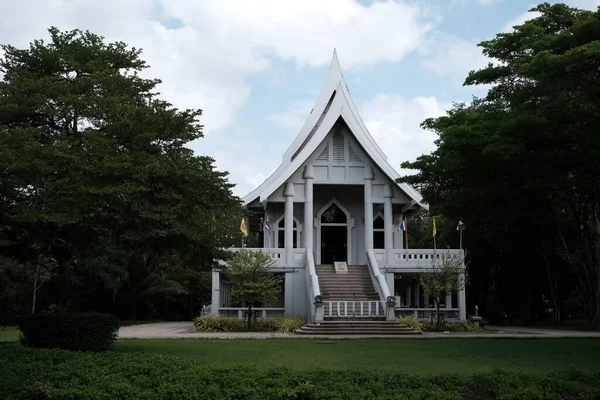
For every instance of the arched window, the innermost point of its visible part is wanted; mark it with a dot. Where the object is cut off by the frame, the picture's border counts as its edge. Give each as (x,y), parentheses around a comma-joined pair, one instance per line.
(378,232)
(333,215)
(281,234)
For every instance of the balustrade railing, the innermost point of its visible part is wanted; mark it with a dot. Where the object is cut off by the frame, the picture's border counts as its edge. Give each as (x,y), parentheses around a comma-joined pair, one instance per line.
(260,312)
(349,308)
(206,310)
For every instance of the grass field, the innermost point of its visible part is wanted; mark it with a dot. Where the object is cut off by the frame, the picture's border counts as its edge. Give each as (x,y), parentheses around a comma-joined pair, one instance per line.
(420,356)
(9,334)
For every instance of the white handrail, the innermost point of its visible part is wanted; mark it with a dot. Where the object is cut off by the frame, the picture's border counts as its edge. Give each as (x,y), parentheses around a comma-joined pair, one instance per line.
(312,271)
(378,279)
(312,281)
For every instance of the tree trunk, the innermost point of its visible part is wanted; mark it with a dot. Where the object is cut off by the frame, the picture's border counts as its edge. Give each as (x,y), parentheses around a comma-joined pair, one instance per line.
(249,316)
(35,287)
(64,271)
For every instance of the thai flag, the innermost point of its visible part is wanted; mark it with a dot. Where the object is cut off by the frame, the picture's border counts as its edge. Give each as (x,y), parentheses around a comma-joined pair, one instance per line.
(268,224)
(403,225)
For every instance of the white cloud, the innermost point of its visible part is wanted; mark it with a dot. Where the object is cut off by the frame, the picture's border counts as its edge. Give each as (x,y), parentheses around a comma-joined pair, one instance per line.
(295,115)
(395,121)
(220,44)
(584,4)
(489,2)
(448,55)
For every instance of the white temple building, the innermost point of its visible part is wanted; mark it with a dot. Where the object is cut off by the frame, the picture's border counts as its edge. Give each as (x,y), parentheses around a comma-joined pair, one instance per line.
(334,200)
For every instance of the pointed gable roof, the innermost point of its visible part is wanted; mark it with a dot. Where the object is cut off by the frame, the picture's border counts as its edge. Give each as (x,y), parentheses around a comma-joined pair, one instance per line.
(334,102)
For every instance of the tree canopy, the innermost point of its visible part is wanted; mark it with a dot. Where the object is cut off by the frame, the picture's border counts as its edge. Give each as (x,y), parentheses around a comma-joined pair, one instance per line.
(521,167)
(96,167)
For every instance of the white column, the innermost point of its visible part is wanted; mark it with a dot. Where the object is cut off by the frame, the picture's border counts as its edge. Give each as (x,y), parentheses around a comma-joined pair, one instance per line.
(288,295)
(288,193)
(309,174)
(417,295)
(462,300)
(409,295)
(425,299)
(389,278)
(266,235)
(368,208)
(388,223)
(216,293)
(449,299)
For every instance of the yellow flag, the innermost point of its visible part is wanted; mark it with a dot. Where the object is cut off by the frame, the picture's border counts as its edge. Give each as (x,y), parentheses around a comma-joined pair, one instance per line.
(243,227)
(434,229)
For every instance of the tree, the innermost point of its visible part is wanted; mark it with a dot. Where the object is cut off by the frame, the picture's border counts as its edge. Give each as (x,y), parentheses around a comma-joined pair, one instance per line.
(44,269)
(251,279)
(520,166)
(91,158)
(446,275)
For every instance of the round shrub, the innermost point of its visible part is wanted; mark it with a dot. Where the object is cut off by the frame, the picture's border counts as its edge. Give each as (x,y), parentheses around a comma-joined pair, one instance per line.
(69,331)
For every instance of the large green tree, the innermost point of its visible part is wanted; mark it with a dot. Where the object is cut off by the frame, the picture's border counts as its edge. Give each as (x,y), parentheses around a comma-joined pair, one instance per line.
(91,158)
(521,165)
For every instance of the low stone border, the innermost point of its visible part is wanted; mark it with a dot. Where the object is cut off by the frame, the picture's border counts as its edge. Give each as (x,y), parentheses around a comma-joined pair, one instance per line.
(181,330)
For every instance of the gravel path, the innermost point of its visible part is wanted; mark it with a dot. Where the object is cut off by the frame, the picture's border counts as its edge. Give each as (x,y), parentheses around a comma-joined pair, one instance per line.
(184,330)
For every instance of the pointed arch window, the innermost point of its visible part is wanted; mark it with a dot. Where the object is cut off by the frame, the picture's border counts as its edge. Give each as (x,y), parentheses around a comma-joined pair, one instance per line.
(334,215)
(281,234)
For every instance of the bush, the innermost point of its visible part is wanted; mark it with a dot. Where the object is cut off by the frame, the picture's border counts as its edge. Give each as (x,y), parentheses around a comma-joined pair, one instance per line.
(290,324)
(213,323)
(411,321)
(70,331)
(60,375)
(451,326)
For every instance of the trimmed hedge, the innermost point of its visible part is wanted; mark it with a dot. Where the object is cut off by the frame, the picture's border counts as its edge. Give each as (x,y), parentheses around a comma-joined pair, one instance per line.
(214,323)
(57,374)
(69,331)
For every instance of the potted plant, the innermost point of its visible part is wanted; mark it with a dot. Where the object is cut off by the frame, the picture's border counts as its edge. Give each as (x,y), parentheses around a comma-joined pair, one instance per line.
(318,300)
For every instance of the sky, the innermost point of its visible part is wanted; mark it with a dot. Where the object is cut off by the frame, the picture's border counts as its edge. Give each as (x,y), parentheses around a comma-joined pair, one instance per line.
(256,67)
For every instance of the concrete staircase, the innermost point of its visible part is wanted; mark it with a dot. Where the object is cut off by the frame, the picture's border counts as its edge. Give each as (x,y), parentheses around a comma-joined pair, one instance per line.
(352,306)
(356,285)
(357,328)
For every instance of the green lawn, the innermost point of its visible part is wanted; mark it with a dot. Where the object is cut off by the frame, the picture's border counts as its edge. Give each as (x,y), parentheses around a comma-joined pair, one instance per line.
(9,334)
(421,356)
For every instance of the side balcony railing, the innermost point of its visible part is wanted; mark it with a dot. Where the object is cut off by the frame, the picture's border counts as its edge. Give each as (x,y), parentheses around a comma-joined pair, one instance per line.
(259,312)
(428,313)
(278,255)
(416,258)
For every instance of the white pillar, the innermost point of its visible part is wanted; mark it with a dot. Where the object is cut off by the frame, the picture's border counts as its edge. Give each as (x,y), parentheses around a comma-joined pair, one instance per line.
(266,235)
(409,295)
(417,295)
(388,224)
(448,299)
(309,174)
(462,300)
(389,278)
(288,193)
(288,295)
(425,299)
(216,293)
(368,208)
